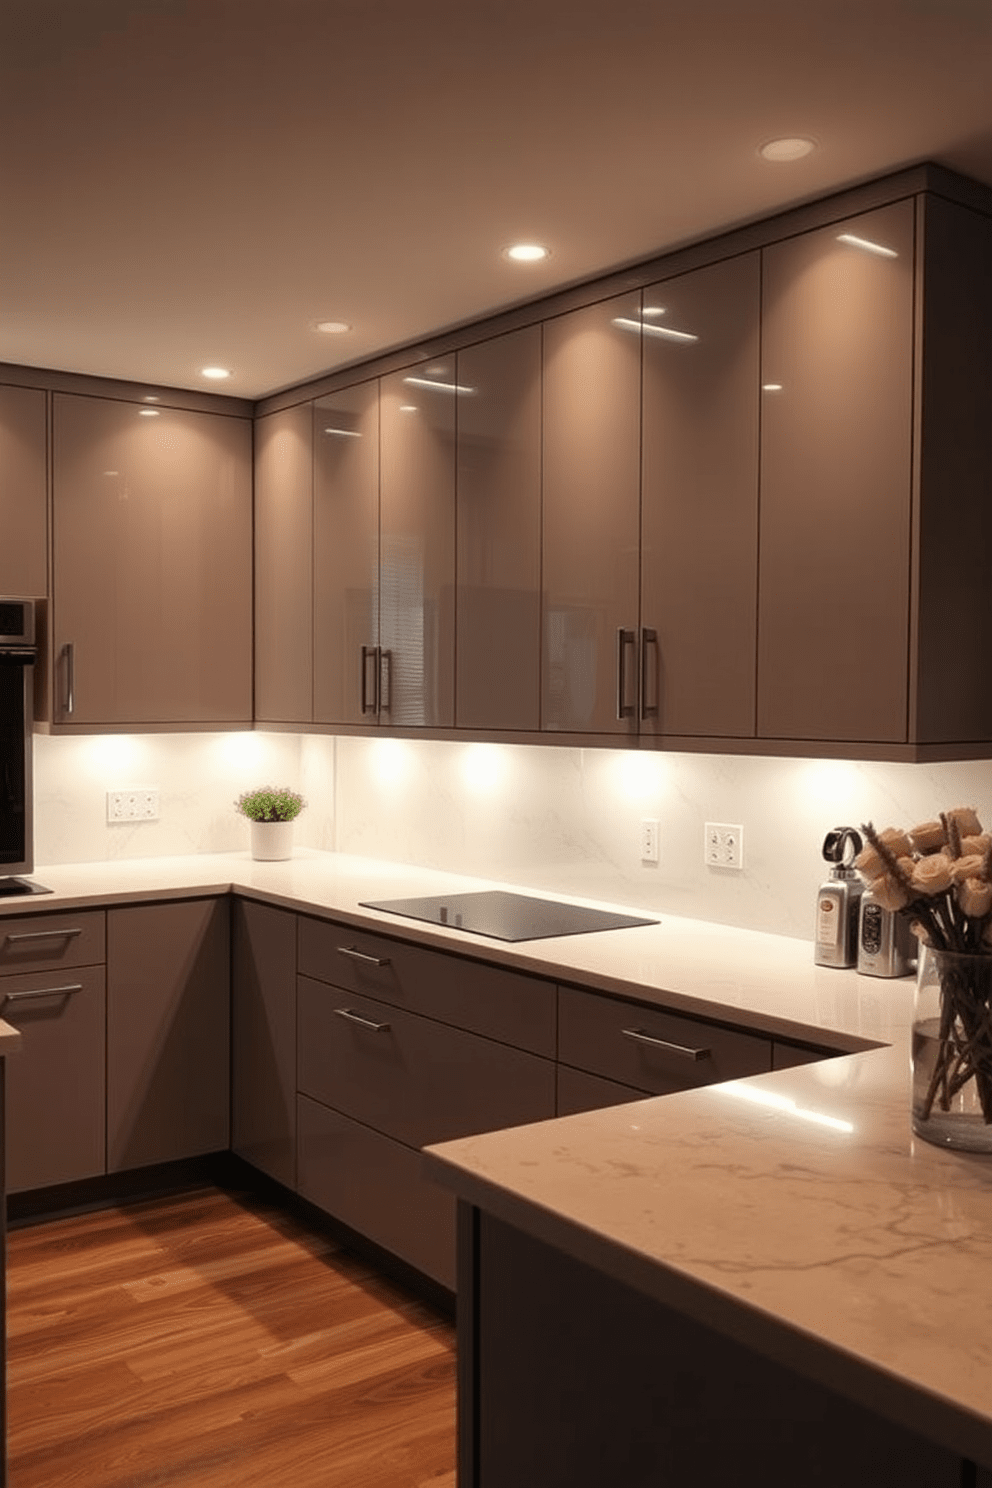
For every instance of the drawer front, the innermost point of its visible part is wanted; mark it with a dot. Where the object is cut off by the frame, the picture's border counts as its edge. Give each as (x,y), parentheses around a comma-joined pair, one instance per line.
(56,1084)
(499,1004)
(46,942)
(625,1041)
(410,1078)
(580,1091)
(376,1186)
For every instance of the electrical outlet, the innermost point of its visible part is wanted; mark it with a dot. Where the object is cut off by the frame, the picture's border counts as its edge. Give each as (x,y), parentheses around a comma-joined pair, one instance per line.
(649,840)
(723,845)
(137,803)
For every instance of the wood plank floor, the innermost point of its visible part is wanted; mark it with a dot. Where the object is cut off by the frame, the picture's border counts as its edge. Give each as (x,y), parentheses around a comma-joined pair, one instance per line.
(210,1341)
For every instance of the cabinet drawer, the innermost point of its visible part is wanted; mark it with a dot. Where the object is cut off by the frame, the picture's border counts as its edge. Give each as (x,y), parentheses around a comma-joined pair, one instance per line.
(504,1005)
(625,1041)
(56,1126)
(375,1186)
(409,1077)
(42,942)
(580,1091)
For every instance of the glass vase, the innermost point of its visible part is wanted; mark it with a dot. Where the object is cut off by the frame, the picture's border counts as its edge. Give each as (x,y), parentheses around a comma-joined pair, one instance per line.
(952,1050)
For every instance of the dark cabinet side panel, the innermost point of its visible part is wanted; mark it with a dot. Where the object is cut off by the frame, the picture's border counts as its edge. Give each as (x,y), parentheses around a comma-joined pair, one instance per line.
(263,1038)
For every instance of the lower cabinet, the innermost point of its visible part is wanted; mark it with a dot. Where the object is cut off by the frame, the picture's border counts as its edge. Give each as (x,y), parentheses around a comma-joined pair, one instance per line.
(263,1038)
(168,1031)
(53,989)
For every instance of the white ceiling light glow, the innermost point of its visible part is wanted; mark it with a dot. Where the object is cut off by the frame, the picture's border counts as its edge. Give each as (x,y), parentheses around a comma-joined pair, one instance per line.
(332,327)
(216,374)
(791,147)
(527,252)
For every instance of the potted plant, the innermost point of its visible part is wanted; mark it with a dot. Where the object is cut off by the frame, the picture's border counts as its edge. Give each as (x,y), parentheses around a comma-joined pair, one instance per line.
(271,809)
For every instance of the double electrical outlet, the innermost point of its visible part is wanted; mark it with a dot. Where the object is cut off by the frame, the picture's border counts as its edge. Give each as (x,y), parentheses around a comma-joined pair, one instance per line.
(723,845)
(138,803)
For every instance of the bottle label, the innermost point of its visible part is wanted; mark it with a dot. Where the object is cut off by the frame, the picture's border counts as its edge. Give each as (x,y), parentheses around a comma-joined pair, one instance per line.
(828,926)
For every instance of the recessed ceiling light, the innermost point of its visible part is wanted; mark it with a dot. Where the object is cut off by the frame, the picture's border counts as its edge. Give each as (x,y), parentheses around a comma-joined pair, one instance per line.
(149,412)
(527,252)
(151,398)
(216,374)
(332,327)
(791,147)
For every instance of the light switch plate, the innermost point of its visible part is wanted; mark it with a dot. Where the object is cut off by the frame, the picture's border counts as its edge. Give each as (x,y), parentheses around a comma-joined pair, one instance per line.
(723,845)
(134,803)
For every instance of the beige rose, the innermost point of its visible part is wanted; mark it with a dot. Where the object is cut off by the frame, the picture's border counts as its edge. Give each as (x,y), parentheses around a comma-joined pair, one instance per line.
(928,837)
(870,862)
(979,844)
(975,896)
(889,892)
(932,875)
(967,821)
(967,867)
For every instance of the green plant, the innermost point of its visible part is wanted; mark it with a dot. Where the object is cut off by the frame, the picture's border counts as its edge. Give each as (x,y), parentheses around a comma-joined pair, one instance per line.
(270,803)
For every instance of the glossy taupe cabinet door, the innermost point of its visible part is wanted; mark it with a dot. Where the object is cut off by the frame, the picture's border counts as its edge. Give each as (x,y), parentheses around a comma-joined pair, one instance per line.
(498,614)
(152,564)
(592,384)
(23,492)
(417,545)
(263,1038)
(836,473)
(284,566)
(346,555)
(699,542)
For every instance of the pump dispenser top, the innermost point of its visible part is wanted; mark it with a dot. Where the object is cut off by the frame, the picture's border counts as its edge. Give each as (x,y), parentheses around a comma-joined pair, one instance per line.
(837,901)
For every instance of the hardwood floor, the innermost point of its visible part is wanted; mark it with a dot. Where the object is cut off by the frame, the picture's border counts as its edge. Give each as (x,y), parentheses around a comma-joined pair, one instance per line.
(210,1341)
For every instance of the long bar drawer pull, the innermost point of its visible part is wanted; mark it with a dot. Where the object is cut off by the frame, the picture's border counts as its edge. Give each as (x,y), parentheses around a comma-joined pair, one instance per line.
(43,935)
(44,992)
(365,1022)
(640,1037)
(356,955)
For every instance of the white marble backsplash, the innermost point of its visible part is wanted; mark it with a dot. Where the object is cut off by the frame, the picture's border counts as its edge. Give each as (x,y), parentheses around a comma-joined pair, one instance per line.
(548,818)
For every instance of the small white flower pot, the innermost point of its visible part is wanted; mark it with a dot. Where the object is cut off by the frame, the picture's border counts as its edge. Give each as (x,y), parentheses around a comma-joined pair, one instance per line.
(271,842)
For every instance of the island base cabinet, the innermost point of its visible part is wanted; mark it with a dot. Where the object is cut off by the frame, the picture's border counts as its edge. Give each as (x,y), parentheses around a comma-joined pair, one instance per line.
(375,1186)
(570,1379)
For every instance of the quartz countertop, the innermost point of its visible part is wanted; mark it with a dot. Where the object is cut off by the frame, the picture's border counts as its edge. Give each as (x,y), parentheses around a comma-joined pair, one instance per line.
(794,1211)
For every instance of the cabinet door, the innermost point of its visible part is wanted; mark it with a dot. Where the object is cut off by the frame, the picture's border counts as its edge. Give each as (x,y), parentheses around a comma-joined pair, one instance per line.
(56,1084)
(836,480)
(284,566)
(498,620)
(592,385)
(168,1031)
(417,552)
(699,541)
(263,1039)
(23,493)
(152,573)
(346,554)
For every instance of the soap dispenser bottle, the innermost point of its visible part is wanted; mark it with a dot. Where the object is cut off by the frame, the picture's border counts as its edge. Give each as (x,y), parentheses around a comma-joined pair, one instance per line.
(838,901)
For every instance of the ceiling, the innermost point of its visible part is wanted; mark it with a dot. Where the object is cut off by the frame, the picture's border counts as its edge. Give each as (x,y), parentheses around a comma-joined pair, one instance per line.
(185,182)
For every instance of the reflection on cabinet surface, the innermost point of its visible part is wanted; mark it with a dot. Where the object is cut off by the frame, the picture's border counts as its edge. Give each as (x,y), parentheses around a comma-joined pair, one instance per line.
(347,659)
(152,564)
(699,536)
(417,545)
(591,444)
(836,480)
(284,566)
(23,492)
(499,533)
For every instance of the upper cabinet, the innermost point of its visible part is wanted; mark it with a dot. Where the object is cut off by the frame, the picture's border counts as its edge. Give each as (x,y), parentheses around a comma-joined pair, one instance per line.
(351,675)
(23,493)
(837,450)
(416,583)
(699,532)
(498,603)
(284,566)
(592,384)
(152,565)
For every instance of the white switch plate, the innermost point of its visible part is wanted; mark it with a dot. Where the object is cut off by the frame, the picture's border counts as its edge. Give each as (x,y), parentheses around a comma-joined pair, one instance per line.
(135,803)
(723,845)
(649,840)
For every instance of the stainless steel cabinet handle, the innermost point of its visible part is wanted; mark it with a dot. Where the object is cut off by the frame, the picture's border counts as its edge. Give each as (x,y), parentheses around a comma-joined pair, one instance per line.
(43,935)
(364,1022)
(649,695)
(625,638)
(385,680)
(640,1037)
(69,656)
(366,960)
(370,653)
(43,992)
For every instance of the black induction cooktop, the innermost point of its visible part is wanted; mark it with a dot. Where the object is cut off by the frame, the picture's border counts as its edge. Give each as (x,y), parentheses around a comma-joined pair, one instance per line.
(505,916)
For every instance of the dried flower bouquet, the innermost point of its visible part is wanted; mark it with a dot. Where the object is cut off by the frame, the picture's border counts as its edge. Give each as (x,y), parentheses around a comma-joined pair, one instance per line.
(939,875)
